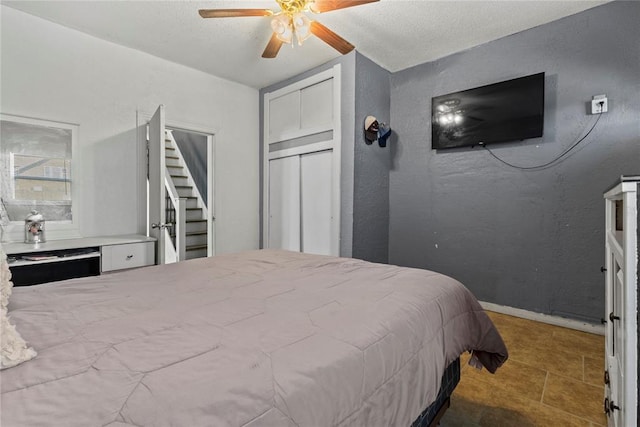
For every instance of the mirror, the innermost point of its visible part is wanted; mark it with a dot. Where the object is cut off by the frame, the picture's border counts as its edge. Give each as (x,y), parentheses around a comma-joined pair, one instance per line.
(37,173)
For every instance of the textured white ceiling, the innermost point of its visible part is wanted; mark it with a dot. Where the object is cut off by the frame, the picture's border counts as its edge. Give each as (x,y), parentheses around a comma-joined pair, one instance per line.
(396,34)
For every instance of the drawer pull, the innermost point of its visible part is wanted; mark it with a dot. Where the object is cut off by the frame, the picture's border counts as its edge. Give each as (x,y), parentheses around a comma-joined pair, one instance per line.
(129,257)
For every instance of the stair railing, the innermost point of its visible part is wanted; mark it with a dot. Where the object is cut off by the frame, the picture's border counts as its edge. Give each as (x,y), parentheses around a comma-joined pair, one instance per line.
(177,216)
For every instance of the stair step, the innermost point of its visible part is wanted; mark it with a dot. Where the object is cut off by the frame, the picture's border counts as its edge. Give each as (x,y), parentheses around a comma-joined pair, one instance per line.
(196,238)
(192,202)
(196,247)
(184,190)
(170,148)
(200,253)
(180,180)
(196,226)
(173,162)
(194,213)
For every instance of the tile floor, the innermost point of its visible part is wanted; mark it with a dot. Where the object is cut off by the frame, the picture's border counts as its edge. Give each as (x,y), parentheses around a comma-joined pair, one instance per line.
(554,377)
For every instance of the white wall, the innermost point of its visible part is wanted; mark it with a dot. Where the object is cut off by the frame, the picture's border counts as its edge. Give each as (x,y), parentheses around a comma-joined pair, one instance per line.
(55,73)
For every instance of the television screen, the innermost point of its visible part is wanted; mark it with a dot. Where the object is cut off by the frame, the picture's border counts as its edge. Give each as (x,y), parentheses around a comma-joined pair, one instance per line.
(512,110)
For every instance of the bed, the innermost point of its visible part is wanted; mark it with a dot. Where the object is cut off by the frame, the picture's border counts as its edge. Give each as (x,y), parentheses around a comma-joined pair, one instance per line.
(260,338)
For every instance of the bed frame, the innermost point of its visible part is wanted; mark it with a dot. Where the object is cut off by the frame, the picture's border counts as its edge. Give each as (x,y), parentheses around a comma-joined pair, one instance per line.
(431,416)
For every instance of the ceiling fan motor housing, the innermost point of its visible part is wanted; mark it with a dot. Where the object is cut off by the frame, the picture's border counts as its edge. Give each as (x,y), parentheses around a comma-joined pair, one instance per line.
(292,7)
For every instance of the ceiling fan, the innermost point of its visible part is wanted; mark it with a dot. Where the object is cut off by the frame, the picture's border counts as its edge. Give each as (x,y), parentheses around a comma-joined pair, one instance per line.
(292,20)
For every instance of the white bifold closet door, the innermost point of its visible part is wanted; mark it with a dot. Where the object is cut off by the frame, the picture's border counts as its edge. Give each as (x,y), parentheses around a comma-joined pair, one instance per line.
(315,192)
(284,203)
(300,202)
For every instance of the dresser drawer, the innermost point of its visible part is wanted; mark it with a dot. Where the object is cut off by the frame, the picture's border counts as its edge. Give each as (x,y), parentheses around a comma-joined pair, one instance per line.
(130,255)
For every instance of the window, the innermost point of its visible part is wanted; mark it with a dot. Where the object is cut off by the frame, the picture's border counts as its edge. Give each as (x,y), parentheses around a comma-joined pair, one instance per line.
(36,171)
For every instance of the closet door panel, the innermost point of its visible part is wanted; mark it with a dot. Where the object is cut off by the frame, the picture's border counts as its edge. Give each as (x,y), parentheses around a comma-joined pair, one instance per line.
(284,203)
(316,204)
(316,105)
(284,115)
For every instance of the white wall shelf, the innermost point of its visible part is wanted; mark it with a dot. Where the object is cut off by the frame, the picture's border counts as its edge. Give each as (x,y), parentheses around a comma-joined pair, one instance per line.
(53,258)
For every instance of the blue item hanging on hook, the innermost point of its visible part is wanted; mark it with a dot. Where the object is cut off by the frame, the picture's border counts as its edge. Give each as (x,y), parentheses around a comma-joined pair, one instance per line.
(384,132)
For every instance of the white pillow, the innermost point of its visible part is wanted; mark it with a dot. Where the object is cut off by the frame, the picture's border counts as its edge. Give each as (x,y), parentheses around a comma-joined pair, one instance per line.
(14,348)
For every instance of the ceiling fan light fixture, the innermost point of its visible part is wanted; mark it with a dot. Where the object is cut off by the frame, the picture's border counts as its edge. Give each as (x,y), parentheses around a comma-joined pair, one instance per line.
(302,27)
(292,19)
(283,28)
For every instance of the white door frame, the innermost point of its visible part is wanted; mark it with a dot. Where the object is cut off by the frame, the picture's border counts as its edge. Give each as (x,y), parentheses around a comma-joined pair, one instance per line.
(143,118)
(211,217)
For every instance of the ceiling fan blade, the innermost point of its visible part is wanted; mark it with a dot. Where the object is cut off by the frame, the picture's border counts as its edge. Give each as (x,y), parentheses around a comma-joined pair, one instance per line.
(320,6)
(331,38)
(273,47)
(232,13)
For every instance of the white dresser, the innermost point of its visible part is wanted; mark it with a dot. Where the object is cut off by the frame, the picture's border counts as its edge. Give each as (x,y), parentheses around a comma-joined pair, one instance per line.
(65,259)
(621,317)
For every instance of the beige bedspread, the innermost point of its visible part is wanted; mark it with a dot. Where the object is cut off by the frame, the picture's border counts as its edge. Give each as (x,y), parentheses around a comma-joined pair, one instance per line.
(261,338)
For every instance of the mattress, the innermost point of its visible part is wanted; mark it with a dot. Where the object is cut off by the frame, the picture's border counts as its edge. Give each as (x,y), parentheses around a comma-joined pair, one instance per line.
(260,338)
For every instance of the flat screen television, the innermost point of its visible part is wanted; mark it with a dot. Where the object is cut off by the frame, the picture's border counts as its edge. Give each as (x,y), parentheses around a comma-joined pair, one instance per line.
(511,110)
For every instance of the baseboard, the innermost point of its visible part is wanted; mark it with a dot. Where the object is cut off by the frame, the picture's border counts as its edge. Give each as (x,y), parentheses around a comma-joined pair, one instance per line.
(544,318)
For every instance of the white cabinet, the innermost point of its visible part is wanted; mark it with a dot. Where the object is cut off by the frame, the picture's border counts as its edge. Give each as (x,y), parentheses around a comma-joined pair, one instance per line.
(57,260)
(301,110)
(621,302)
(302,143)
(316,105)
(129,255)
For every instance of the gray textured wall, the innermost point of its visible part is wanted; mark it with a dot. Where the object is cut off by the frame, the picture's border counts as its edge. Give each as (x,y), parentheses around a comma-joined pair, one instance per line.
(532,240)
(372,163)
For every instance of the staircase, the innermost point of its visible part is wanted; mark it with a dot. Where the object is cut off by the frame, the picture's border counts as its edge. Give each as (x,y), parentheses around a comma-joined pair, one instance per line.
(196,216)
